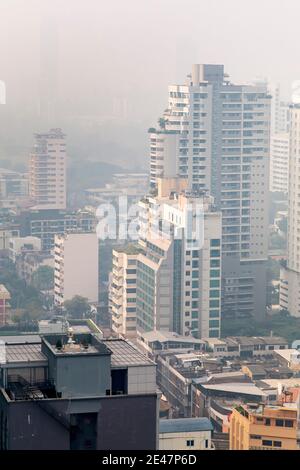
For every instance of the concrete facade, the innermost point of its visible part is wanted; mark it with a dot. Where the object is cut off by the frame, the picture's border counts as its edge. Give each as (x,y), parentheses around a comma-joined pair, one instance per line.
(76,267)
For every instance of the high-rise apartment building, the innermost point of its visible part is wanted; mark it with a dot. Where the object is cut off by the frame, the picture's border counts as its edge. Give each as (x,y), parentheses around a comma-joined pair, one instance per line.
(122,290)
(259,427)
(76,261)
(178,280)
(279,162)
(290,276)
(216,135)
(47,171)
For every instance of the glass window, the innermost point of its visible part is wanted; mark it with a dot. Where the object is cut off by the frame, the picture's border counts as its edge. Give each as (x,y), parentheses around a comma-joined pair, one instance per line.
(279,422)
(214,273)
(215,283)
(214,263)
(277,443)
(215,253)
(267,443)
(288,423)
(214,314)
(214,293)
(190,443)
(215,242)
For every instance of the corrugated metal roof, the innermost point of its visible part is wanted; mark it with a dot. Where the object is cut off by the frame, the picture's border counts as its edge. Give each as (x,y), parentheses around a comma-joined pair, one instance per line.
(125,354)
(184,425)
(24,353)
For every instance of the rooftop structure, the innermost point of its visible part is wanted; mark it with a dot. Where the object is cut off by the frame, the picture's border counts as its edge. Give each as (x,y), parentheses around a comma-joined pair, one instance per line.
(84,392)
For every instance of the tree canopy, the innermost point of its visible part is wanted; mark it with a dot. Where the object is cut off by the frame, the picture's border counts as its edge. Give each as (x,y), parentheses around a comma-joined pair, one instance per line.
(77,307)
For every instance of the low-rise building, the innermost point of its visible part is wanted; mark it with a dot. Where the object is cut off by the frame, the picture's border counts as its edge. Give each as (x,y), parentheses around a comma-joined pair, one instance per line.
(259,427)
(245,346)
(154,342)
(289,358)
(29,262)
(185,434)
(21,245)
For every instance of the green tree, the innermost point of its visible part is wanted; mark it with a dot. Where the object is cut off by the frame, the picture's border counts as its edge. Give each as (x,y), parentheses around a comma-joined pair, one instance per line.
(77,307)
(43,278)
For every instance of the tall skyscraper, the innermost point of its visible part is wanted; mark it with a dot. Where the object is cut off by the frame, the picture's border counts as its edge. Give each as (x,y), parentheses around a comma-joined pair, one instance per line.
(178,276)
(47,170)
(216,135)
(290,276)
(279,162)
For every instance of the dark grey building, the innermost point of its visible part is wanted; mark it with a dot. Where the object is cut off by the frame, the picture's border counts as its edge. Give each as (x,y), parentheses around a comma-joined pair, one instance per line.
(76,392)
(44,224)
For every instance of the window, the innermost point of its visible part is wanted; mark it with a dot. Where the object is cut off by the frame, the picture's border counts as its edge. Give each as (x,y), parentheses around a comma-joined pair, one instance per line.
(268,422)
(215,242)
(214,253)
(288,423)
(277,443)
(255,436)
(267,443)
(279,422)
(206,443)
(214,263)
(190,443)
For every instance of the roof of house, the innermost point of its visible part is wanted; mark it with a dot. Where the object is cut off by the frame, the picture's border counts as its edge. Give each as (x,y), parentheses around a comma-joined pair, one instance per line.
(184,425)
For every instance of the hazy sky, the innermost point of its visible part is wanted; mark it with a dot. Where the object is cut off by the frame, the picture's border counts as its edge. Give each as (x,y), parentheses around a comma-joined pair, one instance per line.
(114,59)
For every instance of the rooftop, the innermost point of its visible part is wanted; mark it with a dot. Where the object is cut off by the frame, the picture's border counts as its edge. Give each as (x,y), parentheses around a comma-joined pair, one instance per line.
(125,354)
(164,336)
(24,353)
(287,353)
(251,340)
(27,348)
(130,249)
(184,425)
(239,388)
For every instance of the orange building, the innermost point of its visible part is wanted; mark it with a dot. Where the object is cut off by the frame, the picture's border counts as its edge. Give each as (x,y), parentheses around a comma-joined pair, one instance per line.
(264,427)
